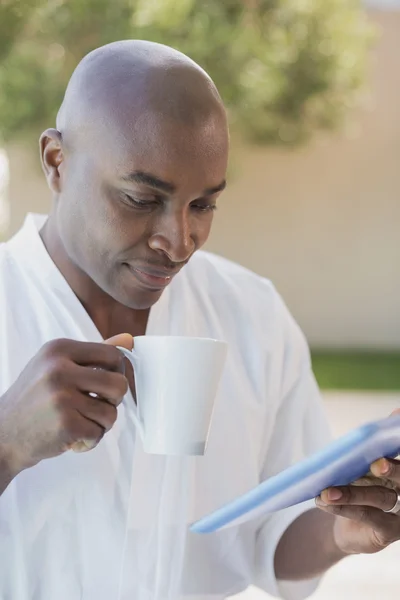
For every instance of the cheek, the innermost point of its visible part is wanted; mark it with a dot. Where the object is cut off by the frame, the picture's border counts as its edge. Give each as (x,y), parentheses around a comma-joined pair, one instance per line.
(203,228)
(86,219)
(123,228)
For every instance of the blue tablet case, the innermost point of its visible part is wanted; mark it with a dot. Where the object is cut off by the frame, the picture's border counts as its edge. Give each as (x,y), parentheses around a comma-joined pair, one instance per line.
(339,463)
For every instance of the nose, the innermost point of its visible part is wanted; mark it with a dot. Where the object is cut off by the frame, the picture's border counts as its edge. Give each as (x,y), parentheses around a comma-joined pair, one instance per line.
(174,236)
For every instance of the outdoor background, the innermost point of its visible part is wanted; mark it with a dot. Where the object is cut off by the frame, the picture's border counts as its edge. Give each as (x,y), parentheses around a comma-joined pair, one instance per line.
(313,92)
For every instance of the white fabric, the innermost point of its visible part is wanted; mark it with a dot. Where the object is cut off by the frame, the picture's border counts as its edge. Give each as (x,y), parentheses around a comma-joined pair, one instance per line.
(63,522)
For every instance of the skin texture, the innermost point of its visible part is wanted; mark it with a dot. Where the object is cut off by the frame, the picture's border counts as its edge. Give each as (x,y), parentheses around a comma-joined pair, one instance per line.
(139,157)
(48,410)
(135,165)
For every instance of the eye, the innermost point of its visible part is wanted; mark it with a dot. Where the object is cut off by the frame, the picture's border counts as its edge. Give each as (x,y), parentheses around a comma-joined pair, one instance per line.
(204,207)
(137,203)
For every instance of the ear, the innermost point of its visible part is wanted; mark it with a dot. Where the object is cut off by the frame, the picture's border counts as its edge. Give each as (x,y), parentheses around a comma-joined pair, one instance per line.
(52,157)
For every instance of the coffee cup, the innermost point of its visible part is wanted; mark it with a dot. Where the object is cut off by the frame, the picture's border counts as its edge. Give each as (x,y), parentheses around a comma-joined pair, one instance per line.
(176,381)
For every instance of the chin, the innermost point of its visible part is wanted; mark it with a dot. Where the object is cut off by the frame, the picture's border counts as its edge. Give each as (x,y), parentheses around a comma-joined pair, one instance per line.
(139,300)
(132,294)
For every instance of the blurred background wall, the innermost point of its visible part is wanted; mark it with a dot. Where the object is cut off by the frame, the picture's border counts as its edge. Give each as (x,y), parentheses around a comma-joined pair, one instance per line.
(321,221)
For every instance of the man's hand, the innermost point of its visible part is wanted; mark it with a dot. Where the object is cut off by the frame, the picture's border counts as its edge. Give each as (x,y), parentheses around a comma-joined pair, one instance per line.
(363,526)
(49,409)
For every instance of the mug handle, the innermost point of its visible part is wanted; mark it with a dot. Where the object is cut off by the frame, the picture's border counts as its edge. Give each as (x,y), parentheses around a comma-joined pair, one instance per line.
(133,407)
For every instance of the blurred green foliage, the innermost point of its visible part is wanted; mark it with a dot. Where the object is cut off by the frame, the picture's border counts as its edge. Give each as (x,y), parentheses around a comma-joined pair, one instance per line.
(285,68)
(357,370)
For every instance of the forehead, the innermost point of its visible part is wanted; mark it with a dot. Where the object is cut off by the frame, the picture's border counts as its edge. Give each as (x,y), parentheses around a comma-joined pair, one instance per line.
(171,150)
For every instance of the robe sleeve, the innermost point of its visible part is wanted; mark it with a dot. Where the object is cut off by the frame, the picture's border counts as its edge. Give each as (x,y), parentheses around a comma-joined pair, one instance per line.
(300,429)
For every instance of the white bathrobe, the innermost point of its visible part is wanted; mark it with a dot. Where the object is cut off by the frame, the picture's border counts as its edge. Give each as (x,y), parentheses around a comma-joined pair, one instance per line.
(112,524)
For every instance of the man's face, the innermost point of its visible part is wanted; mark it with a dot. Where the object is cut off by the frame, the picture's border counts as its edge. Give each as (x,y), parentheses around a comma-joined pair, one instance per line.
(133,209)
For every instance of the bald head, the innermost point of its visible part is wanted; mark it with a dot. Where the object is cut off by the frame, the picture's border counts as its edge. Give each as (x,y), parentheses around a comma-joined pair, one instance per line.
(136,166)
(126,82)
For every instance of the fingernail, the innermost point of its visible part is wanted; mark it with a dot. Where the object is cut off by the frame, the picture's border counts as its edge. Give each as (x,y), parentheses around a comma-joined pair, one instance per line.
(384,466)
(334,494)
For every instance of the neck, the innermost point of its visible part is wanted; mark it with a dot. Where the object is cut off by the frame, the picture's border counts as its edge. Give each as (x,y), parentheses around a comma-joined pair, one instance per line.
(109,316)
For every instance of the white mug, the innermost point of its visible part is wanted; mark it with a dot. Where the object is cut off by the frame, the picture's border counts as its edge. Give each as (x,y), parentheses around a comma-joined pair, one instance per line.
(176,381)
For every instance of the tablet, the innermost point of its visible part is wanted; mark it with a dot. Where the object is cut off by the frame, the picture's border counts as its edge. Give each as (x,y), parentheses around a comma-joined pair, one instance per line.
(341,462)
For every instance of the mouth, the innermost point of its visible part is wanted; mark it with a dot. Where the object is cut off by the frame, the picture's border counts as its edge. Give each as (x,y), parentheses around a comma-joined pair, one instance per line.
(153,279)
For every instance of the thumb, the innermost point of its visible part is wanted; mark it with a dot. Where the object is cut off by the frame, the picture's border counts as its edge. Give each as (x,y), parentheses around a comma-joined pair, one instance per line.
(126,341)
(123,339)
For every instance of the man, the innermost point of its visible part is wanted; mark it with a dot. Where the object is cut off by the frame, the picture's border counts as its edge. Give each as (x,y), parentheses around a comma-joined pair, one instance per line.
(135,166)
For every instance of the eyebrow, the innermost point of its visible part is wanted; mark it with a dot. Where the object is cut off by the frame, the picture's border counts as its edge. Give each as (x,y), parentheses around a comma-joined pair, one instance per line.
(214,190)
(167,187)
(150,180)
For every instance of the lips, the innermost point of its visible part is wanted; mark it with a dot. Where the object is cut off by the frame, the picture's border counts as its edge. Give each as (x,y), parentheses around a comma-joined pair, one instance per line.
(155,279)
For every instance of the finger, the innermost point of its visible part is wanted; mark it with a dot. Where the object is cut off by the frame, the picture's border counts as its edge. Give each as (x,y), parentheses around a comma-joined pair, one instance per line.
(123,339)
(366,515)
(105,356)
(108,385)
(387,468)
(369,480)
(87,434)
(83,446)
(126,341)
(373,496)
(98,411)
